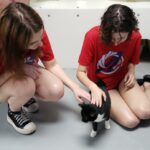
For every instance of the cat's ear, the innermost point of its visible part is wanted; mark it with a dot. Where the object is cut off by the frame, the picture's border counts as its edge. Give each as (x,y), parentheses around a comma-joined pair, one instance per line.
(81,105)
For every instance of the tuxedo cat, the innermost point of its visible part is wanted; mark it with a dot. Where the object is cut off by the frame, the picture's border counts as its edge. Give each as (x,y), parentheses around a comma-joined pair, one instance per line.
(94,114)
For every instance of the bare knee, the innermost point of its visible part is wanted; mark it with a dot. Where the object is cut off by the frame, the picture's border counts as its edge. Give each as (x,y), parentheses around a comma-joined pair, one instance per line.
(146,85)
(127,121)
(54,93)
(143,113)
(130,122)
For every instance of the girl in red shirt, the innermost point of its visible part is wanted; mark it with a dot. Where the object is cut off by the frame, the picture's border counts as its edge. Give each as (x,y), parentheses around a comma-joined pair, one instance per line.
(23,42)
(110,52)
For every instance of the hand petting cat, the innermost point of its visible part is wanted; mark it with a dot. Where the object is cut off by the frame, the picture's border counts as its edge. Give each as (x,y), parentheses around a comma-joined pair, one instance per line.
(97,115)
(96,96)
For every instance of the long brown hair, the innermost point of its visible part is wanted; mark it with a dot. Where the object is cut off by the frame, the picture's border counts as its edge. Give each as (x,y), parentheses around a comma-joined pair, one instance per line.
(18,22)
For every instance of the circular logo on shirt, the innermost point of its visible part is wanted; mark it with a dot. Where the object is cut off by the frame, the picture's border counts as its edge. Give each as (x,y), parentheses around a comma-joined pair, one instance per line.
(109,63)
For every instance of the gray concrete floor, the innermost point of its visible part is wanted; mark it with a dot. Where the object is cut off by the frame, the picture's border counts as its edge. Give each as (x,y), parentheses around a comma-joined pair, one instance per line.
(59,127)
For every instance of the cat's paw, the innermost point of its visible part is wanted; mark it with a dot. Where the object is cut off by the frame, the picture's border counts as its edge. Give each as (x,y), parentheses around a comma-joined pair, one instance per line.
(107,125)
(93,133)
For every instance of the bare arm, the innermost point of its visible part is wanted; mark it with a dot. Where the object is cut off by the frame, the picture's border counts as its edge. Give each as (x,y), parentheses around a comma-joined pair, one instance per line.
(55,68)
(129,79)
(96,92)
(131,68)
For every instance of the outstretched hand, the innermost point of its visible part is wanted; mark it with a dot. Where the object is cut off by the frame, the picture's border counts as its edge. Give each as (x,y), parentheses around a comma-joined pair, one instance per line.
(81,95)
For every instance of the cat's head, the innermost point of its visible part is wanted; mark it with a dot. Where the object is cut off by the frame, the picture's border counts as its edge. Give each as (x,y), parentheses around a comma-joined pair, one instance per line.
(89,112)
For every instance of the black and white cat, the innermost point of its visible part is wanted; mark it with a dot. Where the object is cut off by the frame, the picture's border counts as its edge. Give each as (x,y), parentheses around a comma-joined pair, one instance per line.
(94,114)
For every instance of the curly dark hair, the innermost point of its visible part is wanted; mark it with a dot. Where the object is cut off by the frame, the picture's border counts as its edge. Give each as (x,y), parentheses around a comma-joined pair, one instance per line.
(117,18)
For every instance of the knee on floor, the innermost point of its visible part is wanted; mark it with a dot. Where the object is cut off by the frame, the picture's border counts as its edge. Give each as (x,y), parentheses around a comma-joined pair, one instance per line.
(143,113)
(147,85)
(131,122)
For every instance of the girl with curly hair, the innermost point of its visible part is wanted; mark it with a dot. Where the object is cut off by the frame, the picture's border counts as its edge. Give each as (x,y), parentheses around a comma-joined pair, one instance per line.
(110,53)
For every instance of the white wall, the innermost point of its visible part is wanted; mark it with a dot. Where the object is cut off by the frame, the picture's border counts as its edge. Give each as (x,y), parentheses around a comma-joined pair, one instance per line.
(66,32)
(66,28)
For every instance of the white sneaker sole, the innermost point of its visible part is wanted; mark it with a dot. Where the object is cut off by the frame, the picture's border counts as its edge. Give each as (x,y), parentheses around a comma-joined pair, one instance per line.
(29,128)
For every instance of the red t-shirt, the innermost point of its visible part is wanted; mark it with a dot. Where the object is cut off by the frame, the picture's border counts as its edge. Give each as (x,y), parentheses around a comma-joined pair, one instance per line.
(108,62)
(46,48)
(47,53)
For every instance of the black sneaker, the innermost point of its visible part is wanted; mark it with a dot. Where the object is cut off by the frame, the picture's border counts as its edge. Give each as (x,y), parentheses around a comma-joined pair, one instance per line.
(21,122)
(146,78)
(140,81)
(31,106)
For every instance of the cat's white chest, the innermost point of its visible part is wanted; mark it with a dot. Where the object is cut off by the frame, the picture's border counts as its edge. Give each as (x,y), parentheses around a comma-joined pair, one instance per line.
(99,118)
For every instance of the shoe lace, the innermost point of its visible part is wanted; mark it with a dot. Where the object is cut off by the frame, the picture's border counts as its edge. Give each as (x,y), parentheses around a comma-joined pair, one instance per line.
(21,118)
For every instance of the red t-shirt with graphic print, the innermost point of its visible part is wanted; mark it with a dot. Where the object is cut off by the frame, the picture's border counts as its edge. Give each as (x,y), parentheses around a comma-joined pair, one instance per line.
(108,62)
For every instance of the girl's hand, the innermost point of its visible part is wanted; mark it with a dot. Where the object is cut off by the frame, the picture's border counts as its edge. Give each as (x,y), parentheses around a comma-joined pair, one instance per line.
(96,96)
(32,71)
(81,95)
(129,80)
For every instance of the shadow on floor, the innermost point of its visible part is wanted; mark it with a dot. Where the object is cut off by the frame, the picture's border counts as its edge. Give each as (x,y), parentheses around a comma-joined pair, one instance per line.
(51,112)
